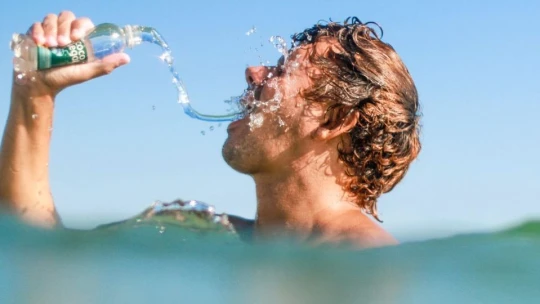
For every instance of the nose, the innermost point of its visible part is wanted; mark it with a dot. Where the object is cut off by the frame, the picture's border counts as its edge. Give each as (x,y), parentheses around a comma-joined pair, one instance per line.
(256,75)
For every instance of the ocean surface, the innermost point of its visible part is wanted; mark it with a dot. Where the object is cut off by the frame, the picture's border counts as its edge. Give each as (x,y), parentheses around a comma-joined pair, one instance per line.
(159,260)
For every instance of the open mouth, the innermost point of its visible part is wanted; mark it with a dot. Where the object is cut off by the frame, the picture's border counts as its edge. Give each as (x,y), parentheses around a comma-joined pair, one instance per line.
(246,103)
(250,101)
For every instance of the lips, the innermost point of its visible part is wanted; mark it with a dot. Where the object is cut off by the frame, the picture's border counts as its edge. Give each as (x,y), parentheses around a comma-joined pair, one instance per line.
(247,105)
(235,124)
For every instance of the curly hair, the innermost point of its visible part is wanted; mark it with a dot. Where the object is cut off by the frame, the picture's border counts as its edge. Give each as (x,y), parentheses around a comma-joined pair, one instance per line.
(366,75)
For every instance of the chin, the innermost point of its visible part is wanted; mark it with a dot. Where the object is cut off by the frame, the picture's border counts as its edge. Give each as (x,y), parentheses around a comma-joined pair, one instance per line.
(239,158)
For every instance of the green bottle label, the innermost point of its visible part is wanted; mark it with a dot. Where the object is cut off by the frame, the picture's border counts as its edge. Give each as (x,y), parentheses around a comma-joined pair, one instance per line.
(59,56)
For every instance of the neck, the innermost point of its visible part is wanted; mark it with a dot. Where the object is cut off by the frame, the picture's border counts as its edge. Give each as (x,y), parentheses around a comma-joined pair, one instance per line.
(292,202)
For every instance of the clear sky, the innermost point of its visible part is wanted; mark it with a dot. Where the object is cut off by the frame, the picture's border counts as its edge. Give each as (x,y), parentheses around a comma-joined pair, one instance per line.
(121,142)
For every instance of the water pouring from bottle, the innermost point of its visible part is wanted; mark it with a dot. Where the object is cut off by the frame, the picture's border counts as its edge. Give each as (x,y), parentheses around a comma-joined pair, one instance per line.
(107,39)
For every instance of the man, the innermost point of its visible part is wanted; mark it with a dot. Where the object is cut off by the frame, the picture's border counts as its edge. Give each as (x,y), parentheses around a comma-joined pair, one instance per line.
(343,130)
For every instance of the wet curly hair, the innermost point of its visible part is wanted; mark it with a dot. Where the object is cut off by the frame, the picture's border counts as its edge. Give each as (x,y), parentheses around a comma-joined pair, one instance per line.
(363,74)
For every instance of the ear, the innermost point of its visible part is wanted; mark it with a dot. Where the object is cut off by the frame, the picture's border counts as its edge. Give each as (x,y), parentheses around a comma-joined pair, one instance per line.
(324,133)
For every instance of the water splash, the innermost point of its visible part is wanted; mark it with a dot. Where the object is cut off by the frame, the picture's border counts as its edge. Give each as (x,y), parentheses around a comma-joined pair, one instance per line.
(272,105)
(280,44)
(255,121)
(251,31)
(281,122)
(189,214)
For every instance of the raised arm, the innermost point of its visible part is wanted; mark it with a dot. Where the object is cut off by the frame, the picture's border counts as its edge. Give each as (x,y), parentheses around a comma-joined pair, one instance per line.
(24,153)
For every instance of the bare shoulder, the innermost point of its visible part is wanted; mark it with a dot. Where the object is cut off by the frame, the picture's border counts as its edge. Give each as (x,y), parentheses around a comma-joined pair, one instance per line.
(355,229)
(244,227)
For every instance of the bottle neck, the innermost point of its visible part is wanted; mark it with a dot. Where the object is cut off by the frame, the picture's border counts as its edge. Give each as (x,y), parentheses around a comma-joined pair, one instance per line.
(133,35)
(136,34)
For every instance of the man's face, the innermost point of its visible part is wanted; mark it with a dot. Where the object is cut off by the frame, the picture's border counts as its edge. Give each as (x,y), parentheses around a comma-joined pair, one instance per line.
(279,127)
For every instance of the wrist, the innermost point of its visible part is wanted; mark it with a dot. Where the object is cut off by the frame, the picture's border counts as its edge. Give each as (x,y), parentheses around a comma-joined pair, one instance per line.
(32,96)
(31,107)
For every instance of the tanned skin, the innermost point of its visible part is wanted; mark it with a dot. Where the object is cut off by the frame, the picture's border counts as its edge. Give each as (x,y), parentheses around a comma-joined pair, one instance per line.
(297,173)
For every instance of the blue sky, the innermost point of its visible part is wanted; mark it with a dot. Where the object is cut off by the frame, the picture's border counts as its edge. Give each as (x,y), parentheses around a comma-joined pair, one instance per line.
(121,142)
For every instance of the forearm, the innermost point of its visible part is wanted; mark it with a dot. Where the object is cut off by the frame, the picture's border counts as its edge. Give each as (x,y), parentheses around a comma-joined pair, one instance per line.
(24,157)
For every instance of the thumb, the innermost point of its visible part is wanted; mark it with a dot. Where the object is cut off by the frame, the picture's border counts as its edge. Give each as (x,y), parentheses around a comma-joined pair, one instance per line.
(62,77)
(83,72)
(107,65)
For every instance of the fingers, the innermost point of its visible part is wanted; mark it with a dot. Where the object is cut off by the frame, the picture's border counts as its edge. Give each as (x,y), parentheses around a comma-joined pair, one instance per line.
(36,32)
(99,68)
(65,19)
(110,63)
(59,30)
(79,28)
(50,29)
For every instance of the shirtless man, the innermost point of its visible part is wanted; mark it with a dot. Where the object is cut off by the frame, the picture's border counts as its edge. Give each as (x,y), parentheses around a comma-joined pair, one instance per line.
(346,131)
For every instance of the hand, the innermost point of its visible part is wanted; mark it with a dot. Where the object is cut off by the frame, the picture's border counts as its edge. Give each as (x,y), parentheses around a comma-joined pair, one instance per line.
(58,31)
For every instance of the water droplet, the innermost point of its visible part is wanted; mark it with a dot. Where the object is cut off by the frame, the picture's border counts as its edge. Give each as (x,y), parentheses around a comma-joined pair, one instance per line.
(167,57)
(203,133)
(281,122)
(255,121)
(33,78)
(153,108)
(34,116)
(280,44)
(251,31)
(269,75)
(21,78)
(219,125)
(211,128)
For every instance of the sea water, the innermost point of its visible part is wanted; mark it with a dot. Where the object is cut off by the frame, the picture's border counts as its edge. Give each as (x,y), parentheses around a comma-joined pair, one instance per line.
(136,263)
